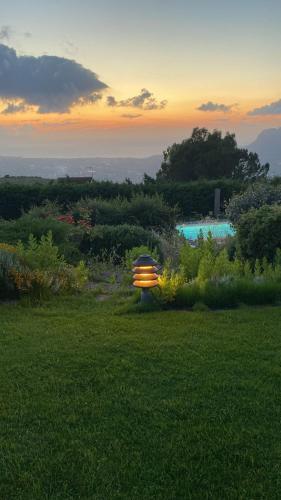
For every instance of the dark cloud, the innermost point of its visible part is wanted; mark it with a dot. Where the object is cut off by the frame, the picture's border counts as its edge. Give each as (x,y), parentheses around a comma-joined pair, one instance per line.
(13,108)
(27,34)
(144,100)
(131,116)
(5,33)
(52,84)
(212,106)
(91,99)
(269,109)
(111,101)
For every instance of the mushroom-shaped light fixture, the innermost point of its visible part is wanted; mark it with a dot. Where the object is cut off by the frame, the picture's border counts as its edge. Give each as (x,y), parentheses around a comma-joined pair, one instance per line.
(145,275)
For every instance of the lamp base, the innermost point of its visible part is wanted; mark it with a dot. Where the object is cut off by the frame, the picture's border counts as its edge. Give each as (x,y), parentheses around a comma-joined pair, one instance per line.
(146,296)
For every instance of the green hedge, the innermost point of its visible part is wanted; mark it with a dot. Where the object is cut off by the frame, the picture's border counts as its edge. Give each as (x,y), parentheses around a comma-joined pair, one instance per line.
(150,212)
(192,198)
(114,241)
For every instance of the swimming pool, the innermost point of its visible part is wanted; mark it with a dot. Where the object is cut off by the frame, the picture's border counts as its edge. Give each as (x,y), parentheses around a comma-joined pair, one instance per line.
(218,230)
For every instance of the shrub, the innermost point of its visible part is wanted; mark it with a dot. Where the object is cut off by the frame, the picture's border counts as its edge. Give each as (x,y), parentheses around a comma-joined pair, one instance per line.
(147,211)
(190,260)
(65,236)
(170,281)
(226,268)
(45,210)
(259,233)
(215,280)
(222,295)
(103,241)
(43,271)
(255,196)
(40,254)
(171,243)
(13,231)
(151,212)
(199,261)
(103,212)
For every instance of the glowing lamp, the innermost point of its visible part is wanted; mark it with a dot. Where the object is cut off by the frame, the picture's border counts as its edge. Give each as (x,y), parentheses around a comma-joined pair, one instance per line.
(145,275)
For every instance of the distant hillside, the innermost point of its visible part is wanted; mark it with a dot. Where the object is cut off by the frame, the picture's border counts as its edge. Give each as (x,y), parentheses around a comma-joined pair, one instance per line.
(115,169)
(268,147)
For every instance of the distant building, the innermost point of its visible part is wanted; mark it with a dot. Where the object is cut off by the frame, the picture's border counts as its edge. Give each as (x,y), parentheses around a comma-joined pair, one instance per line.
(80,180)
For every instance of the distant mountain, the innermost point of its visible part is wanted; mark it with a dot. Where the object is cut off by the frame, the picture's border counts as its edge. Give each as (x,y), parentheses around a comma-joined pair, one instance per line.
(115,169)
(268,147)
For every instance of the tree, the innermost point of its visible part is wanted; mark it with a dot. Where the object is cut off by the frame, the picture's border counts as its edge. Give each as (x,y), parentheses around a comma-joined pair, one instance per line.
(208,155)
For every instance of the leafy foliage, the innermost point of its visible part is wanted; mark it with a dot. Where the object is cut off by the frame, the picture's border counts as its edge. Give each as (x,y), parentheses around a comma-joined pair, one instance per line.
(150,212)
(170,281)
(65,236)
(211,278)
(40,254)
(255,196)
(259,233)
(38,270)
(105,240)
(229,294)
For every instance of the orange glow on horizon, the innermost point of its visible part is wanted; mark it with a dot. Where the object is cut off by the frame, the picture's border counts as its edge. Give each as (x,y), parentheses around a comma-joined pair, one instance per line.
(176,115)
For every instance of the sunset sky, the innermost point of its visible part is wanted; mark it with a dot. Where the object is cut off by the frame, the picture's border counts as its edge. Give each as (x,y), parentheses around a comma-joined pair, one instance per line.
(127,78)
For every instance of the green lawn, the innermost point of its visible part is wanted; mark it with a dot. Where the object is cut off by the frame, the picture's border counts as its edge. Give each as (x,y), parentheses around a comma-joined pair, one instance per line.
(95,404)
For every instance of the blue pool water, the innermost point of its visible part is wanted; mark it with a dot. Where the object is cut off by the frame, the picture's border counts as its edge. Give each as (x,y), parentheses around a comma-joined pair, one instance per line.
(219,230)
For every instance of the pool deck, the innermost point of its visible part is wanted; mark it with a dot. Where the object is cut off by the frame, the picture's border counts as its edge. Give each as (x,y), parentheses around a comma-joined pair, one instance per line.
(206,222)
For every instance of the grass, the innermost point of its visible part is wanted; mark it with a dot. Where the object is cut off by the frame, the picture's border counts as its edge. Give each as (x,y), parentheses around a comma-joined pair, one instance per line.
(95,404)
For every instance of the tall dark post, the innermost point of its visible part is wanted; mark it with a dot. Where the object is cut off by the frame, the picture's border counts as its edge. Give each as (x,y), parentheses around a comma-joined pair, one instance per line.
(217,202)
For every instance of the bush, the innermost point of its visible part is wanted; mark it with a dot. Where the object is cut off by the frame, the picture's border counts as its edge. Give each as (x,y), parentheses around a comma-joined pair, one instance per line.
(65,236)
(198,262)
(222,295)
(170,281)
(259,233)
(38,271)
(190,260)
(213,279)
(147,211)
(255,196)
(151,212)
(104,241)
(41,254)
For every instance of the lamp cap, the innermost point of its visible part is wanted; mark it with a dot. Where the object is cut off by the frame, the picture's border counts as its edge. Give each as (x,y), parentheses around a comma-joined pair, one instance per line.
(145,260)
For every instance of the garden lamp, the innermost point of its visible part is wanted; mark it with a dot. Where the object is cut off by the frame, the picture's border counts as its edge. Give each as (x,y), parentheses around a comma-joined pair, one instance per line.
(145,275)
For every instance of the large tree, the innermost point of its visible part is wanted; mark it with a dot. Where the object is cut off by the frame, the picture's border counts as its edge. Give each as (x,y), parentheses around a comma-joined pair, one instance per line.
(209,155)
